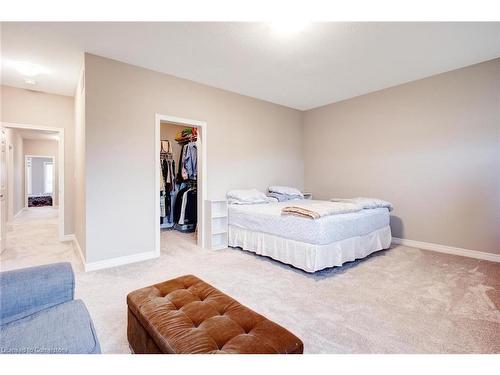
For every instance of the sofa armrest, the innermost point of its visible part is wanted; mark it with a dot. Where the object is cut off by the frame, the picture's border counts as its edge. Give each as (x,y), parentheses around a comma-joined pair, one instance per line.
(28,290)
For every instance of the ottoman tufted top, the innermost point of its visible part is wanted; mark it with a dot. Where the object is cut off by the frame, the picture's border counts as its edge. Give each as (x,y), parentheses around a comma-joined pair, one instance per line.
(187,315)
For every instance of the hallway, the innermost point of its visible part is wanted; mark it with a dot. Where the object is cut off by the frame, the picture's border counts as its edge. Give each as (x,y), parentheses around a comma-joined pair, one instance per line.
(32,239)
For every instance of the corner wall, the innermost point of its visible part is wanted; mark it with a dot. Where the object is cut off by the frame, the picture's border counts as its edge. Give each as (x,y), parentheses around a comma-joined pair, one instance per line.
(251,143)
(431,147)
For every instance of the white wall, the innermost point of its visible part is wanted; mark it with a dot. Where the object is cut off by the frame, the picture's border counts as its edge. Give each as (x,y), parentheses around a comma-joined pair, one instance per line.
(36,108)
(251,143)
(432,147)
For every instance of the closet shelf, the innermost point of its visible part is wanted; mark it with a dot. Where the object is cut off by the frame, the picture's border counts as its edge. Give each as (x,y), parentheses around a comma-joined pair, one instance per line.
(185,140)
(219,215)
(217,224)
(219,231)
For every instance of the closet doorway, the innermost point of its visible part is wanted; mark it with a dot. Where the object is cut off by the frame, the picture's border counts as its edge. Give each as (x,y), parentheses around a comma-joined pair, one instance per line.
(180,174)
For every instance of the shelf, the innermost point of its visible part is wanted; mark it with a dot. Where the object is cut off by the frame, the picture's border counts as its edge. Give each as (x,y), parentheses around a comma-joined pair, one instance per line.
(219,215)
(219,241)
(220,231)
(221,247)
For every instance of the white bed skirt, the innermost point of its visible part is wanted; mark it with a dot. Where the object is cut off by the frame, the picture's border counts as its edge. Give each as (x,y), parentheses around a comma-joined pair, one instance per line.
(306,256)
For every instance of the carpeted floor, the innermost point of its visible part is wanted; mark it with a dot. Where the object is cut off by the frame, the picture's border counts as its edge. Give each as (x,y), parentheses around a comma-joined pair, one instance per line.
(402,300)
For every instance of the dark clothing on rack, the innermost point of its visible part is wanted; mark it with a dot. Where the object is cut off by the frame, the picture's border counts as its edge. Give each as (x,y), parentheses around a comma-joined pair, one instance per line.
(191,213)
(168,170)
(179,172)
(178,204)
(190,209)
(167,184)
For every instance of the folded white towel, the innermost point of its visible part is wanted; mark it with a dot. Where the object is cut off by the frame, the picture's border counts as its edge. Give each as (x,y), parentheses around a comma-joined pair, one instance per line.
(367,203)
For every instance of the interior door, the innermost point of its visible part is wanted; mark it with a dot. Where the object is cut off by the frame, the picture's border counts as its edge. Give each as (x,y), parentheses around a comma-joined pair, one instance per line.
(3,189)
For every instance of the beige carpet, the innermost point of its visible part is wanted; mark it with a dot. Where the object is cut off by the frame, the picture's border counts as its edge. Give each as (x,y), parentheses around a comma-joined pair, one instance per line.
(402,300)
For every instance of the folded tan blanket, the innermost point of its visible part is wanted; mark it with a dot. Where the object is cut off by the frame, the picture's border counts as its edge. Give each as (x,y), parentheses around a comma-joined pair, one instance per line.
(317,209)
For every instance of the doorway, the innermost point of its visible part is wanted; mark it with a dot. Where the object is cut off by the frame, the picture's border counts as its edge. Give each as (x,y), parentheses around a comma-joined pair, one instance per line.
(189,181)
(40,181)
(21,142)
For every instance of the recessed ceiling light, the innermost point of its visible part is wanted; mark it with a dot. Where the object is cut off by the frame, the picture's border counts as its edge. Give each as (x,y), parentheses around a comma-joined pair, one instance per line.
(286,27)
(30,81)
(26,69)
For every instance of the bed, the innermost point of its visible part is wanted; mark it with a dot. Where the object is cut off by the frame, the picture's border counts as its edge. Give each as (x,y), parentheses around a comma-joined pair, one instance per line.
(311,245)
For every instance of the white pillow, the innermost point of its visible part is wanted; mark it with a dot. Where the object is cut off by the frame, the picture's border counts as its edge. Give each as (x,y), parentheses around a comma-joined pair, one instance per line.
(287,190)
(246,196)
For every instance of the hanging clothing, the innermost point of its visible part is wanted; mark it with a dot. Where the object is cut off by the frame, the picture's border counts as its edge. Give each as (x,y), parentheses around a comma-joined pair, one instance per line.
(179,172)
(191,209)
(163,212)
(166,146)
(183,206)
(188,162)
(162,179)
(168,168)
(185,210)
(191,160)
(178,204)
(167,184)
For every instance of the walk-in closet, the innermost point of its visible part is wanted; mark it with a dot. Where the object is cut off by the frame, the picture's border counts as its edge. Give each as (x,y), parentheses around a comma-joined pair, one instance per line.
(178,180)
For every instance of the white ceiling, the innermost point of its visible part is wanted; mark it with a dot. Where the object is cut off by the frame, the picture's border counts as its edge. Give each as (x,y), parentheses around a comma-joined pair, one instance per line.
(324,63)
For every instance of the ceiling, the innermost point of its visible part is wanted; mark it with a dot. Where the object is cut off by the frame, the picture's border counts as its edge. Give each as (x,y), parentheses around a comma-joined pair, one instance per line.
(323,63)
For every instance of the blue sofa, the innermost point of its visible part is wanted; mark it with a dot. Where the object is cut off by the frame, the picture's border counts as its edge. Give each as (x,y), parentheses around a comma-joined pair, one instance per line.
(39,315)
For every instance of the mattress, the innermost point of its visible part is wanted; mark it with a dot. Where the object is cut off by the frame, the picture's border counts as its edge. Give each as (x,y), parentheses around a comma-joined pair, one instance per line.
(266,218)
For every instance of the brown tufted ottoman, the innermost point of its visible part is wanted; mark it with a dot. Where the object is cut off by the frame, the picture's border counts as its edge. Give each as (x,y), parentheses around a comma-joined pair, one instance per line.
(187,315)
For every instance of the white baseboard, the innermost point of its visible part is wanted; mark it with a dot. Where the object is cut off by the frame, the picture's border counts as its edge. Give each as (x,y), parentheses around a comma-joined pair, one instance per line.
(77,248)
(108,263)
(67,237)
(119,261)
(447,249)
(19,212)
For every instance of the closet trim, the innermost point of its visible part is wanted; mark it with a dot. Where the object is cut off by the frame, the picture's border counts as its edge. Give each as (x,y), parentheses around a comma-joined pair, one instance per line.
(202,174)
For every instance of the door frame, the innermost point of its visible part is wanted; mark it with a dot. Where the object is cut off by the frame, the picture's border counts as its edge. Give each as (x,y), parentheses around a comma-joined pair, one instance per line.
(26,157)
(202,174)
(10,182)
(60,152)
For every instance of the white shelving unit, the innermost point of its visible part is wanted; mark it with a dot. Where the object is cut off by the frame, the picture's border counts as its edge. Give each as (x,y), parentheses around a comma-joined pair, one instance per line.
(217,224)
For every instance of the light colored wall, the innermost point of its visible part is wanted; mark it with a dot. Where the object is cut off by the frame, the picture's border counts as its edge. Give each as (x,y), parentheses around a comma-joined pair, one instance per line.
(36,108)
(168,132)
(43,147)
(432,147)
(79,164)
(15,189)
(251,143)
